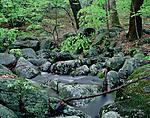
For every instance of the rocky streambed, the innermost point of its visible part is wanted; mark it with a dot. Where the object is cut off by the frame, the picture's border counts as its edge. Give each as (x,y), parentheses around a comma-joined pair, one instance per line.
(39,74)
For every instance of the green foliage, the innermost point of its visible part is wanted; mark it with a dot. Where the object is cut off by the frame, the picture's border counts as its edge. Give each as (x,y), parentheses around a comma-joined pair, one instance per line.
(22,86)
(101,75)
(7,37)
(93,15)
(20,11)
(147,57)
(16,52)
(145,8)
(72,44)
(34,27)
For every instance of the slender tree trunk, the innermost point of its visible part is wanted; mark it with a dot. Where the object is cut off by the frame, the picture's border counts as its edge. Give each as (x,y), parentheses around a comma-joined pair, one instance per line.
(135,23)
(75,6)
(114,19)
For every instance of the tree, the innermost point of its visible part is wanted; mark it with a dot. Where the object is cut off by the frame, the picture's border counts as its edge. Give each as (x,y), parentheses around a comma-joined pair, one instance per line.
(75,6)
(135,23)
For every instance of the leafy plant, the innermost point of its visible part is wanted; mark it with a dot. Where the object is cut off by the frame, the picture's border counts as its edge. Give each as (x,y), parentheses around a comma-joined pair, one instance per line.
(148,57)
(93,15)
(16,52)
(73,44)
(7,37)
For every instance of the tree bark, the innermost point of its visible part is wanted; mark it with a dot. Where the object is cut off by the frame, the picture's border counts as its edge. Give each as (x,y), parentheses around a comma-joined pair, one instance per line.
(75,6)
(135,23)
(114,19)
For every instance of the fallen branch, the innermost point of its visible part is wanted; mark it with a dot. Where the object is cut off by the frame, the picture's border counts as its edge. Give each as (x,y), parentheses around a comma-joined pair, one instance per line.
(110,91)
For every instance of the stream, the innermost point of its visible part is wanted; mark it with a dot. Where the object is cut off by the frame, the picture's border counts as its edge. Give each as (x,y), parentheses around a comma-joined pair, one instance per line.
(93,108)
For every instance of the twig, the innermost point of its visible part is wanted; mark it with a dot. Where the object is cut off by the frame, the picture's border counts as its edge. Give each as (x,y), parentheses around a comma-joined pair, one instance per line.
(110,91)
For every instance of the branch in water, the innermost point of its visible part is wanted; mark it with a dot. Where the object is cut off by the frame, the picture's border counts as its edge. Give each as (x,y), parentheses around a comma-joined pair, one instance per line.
(110,91)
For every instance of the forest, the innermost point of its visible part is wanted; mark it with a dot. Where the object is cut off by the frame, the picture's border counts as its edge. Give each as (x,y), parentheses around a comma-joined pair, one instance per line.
(74,58)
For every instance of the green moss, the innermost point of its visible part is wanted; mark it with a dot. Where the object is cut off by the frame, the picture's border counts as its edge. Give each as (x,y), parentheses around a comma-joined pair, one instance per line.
(101,75)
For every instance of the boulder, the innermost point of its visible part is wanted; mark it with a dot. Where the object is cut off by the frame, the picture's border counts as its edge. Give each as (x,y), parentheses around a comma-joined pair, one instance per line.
(46,44)
(26,42)
(116,62)
(95,68)
(113,79)
(26,69)
(132,101)
(28,53)
(6,112)
(43,54)
(4,70)
(82,70)
(37,61)
(111,114)
(46,66)
(65,67)
(7,59)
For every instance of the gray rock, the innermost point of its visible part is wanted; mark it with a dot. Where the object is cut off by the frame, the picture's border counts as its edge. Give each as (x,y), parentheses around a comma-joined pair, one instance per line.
(6,112)
(113,79)
(129,66)
(46,67)
(69,117)
(94,69)
(43,54)
(65,67)
(37,62)
(4,70)
(26,69)
(29,53)
(115,62)
(26,42)
(7,59)
(139,56)
(82,70)
(111,114)
(46,44)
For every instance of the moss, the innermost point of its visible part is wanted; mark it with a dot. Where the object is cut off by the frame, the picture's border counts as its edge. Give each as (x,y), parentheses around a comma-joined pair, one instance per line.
(135,101)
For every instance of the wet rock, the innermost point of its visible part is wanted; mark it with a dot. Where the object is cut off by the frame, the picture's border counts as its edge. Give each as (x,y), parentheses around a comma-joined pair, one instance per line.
(7,59)
(37,62)
(46,67)
(116,62)
(29,53)
(65,67)
(111,114)
(113,79)
(26,42)
(6,112)
(83,70)
(4,70)
(26,69)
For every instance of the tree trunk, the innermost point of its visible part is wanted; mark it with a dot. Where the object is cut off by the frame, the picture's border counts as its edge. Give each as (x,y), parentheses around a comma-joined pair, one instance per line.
(114,19)
(75,6)
(135,23)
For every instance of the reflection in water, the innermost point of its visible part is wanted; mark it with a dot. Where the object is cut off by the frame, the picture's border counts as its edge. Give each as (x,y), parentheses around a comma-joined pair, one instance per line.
(94,107)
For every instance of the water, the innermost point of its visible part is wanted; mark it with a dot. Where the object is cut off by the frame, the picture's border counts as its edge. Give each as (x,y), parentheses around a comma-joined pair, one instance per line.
(94,107)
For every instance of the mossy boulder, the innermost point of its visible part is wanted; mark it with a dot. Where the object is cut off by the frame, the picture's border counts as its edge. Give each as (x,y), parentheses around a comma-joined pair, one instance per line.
(134,100)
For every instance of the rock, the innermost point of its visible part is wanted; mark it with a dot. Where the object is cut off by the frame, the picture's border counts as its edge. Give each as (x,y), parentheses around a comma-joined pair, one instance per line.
(95,68)
(111,114)
(82,70)
(26,69)
(46,67)
(7,59)
(128,67)
(33,99)
(116,62)
(29,53)
(43,54)
(65,67)
(26,42)
(69,117)
(37,62)
(61,56)
(139,56)
(94,51)
(6,112)
(4,70)
(132,101)
(78,90)
(46,44)
(113,79)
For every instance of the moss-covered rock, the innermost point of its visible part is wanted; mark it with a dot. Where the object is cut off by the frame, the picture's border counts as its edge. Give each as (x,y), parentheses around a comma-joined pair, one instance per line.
(134,102)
